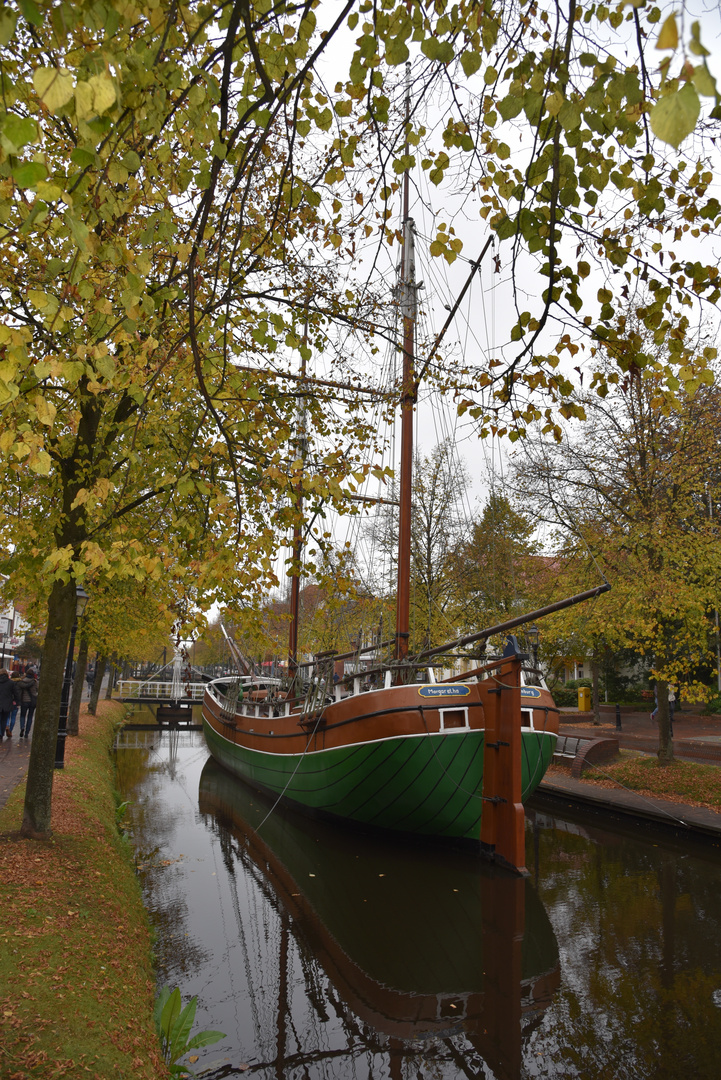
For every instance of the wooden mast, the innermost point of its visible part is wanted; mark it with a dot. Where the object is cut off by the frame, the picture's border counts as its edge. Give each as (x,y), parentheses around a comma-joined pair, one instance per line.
(407,296)
(301,444)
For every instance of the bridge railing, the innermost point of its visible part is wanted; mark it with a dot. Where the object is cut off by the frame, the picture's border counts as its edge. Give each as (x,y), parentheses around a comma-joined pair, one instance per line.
(159,691)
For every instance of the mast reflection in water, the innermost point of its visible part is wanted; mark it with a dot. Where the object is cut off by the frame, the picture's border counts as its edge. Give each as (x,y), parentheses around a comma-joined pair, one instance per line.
(426,958)
(319,968)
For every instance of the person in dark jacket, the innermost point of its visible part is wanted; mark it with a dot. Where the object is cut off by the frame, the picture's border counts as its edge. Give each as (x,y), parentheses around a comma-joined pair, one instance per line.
(15,676)
(9,696)
(28,701)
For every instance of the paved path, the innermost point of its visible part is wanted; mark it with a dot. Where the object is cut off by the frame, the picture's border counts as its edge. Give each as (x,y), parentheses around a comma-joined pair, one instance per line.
(14,757)
(630,803)
(695,737)
(15,754)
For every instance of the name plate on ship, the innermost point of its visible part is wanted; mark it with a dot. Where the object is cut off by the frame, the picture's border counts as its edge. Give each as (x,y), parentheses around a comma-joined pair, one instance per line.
(433,690)
(530,691)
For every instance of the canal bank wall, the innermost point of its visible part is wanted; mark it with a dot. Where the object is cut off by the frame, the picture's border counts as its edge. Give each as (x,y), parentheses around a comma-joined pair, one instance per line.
(76,977)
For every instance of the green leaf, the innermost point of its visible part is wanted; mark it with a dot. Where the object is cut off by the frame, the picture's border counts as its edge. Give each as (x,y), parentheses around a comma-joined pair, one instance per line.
(79,230)
(396,51)
(19,130)
(204,1038)
(8,22)
(490,75)
(569,115)
(324,120)
(168,1015)
(510,107)
(704,81)
(54,87)
(131,161)
(438,50)
(180,1030)
(674,116)
(31,11)
(29,174)
(81,157)
(505,228)
(470,62)
(695,45)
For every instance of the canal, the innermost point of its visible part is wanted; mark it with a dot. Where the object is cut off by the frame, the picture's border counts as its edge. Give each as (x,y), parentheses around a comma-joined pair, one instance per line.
(324,953)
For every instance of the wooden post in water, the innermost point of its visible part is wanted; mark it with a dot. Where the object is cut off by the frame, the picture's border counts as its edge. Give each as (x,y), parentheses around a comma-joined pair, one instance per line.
(503,818)
(503,918)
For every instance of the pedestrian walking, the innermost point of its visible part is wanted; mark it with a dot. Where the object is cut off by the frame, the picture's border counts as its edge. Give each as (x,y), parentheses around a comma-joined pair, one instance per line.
(9,696)
(15,677)
(671,705)
(28,701)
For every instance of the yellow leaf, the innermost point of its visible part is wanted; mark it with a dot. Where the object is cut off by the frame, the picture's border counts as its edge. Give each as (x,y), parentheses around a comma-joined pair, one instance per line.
(41,300)
(41,463)
(54,86)
(103,92)
(554,102)
(83,101)
(668,38)
(193,1058)
(45,410)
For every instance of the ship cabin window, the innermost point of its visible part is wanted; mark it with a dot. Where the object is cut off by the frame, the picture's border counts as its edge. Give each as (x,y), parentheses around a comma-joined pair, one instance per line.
(453,719)
(527,718)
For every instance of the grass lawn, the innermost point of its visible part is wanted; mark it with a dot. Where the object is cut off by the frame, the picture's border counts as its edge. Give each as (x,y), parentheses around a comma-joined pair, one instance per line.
(76,980)
(683,781)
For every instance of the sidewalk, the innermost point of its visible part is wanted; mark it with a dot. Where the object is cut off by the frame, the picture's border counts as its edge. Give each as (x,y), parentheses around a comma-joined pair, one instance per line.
(695,737)
(15,754)
(14,757)
(632,804)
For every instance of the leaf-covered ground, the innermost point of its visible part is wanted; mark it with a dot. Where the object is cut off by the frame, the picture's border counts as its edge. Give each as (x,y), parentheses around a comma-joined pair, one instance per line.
(76,984)
(683,781)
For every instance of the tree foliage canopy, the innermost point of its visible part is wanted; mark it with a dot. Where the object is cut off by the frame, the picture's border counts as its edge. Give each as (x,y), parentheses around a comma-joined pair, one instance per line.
(638,490)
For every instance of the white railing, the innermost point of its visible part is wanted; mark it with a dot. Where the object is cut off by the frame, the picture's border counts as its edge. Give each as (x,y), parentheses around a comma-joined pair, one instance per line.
(150,740)
(160,691)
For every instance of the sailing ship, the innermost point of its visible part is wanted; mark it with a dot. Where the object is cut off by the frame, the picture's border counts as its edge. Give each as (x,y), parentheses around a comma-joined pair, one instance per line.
(390,746)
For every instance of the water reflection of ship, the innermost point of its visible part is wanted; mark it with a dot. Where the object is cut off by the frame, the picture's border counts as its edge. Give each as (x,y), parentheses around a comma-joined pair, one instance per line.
(419,944)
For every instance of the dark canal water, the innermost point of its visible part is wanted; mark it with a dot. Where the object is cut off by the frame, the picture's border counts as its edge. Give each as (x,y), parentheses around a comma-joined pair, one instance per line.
(326,954)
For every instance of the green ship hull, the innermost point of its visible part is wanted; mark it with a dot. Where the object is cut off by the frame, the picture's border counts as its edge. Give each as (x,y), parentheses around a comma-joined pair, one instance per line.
(429,784)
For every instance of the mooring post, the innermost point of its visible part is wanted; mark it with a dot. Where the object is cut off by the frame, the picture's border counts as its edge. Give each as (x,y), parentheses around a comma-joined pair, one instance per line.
(503,818)
(618,717)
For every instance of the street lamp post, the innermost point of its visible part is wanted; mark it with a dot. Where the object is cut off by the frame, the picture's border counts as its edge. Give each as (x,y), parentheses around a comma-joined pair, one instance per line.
(81,599)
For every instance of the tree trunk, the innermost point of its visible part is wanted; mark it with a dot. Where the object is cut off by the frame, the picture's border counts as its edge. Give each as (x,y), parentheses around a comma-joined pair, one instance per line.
(665,741)
(594,690)
(100,665)
(78,682)
(111,677)
(39,789)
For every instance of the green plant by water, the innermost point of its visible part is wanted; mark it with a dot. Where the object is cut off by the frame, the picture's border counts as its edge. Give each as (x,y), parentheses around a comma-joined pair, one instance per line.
(174,1023)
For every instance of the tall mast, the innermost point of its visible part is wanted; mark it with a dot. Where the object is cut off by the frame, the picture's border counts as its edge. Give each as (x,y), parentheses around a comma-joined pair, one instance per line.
(302,446)
(407,295)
